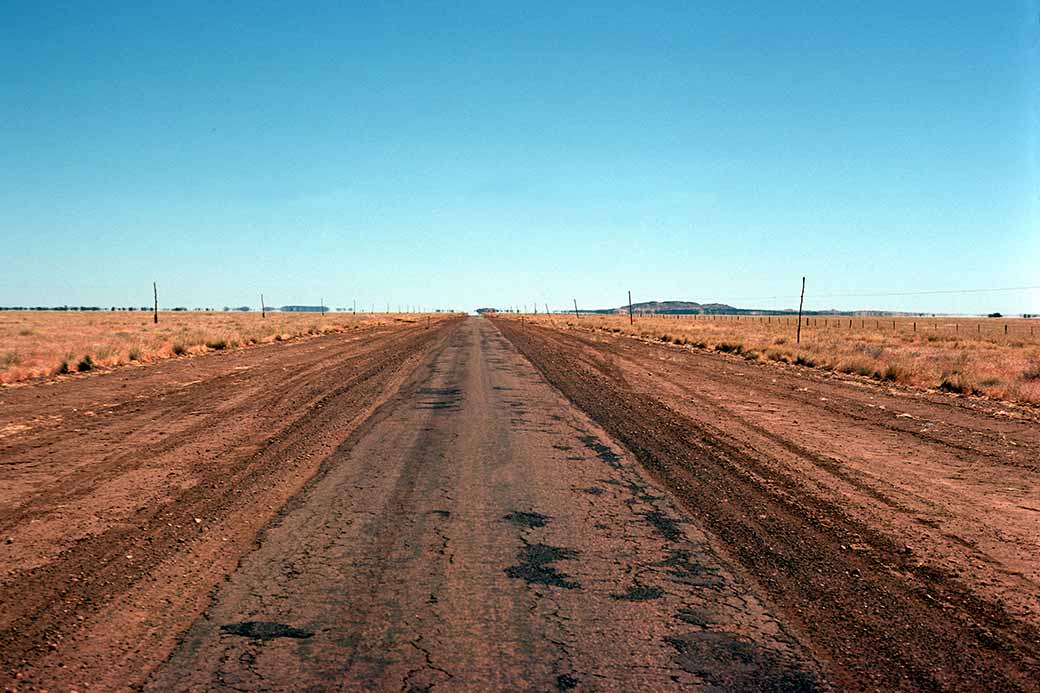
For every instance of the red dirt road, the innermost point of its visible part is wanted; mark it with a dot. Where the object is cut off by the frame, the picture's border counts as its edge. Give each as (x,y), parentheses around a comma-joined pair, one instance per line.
(407,509)
(899,531)
(480,534)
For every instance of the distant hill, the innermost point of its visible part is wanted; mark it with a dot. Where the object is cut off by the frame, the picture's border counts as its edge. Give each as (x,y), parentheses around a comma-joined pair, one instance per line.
(304,309)
(674,308)
(694,308)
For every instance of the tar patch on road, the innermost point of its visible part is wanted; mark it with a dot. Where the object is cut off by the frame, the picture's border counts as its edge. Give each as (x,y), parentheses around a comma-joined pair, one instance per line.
(264,630)
(535,565)
(526,519)
(602,451)
(443,398)
(666,526)
(566,683)
(729,664)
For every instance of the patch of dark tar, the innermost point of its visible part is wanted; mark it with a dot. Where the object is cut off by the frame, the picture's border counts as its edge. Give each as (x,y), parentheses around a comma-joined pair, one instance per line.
(602,451)
(500,387)
(639,593)
(666,526)
(264,630)
(535,566)
(441,391)
(442,513)
(730,664)
(566,682)
(526,519)
(687,571)
(445,398)
(560,446)
(593,490)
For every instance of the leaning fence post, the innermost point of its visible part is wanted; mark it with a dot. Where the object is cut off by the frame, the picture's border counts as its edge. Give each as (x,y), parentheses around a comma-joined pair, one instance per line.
(801,300)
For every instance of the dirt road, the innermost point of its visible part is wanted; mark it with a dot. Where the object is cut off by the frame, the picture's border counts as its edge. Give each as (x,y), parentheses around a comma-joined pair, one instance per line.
(479,532)
(899,530)
(406,508)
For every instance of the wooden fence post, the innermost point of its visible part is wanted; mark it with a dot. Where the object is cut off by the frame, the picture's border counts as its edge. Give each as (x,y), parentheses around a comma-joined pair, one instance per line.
(263,308)
(801,300)
(630,319)
(155,309)
(576,316)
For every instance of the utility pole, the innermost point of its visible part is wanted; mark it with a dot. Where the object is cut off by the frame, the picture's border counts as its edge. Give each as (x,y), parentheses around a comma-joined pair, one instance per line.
(576,310)
(546,308)
(630,320)
(801,300)
(263,308)
(155,310)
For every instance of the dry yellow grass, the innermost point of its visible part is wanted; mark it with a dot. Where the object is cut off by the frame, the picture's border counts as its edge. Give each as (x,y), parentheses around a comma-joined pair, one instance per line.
(45,343)
(966,355)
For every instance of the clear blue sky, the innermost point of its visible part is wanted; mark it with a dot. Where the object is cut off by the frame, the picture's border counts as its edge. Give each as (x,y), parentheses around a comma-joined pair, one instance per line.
(456,154)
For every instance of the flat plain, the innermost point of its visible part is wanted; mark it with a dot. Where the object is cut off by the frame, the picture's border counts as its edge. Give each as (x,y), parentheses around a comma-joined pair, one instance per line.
(475,504)
(996,357)
(41,344)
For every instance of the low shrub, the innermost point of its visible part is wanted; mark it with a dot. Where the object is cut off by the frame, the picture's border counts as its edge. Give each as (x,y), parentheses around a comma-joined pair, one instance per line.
(1032,372)
(803,360)
(893,373)
(957,383)
(135,354)
(729,348)
(85,364)
(217,344)
(856,367)
(179,349)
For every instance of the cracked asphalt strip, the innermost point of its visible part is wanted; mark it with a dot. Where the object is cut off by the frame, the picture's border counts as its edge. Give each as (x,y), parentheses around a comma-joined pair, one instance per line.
(479,532)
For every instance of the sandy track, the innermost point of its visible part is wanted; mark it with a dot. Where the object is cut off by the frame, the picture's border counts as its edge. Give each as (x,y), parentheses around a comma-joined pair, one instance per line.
(124,497)
(898,531)
(479,533)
